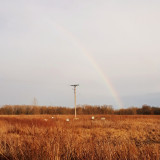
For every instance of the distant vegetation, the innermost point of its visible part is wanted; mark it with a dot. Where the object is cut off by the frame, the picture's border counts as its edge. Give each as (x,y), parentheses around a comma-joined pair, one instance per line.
(81,110)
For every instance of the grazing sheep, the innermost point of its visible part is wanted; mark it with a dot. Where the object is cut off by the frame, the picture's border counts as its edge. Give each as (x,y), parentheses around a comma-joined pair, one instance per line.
(67,120)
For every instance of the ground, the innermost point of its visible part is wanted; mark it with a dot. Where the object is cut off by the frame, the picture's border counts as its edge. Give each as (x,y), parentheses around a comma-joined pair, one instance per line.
(106,137)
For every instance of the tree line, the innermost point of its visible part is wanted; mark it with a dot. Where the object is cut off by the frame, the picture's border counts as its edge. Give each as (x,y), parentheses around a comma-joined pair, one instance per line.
(81,110)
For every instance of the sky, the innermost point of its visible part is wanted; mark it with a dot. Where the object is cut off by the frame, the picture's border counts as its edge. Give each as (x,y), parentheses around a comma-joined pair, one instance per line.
(109,47)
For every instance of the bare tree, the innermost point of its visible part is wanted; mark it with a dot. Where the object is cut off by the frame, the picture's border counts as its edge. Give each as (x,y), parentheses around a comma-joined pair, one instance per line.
(35,102)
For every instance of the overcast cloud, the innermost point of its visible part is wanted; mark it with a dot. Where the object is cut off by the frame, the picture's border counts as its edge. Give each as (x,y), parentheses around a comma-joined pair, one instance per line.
(41,50)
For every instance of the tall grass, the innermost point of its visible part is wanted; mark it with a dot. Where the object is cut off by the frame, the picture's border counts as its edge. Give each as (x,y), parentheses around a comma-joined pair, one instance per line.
(43,138)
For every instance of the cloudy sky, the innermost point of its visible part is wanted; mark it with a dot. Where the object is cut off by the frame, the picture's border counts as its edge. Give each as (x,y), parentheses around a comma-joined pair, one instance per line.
(110,48)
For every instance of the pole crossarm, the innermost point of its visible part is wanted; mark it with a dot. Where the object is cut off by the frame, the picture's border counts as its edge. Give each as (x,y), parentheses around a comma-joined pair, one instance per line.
(75,85)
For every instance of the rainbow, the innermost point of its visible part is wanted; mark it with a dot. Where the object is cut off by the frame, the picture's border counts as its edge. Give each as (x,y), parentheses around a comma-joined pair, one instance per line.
(105,78)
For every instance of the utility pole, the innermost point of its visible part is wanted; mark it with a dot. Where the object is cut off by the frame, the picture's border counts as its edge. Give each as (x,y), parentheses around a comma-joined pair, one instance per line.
(75,85)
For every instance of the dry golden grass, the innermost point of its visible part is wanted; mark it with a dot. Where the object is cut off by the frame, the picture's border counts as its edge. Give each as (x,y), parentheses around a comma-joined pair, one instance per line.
(117,137)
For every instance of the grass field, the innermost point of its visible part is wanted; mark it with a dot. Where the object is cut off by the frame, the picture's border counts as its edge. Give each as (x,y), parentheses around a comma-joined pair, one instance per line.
(41,137)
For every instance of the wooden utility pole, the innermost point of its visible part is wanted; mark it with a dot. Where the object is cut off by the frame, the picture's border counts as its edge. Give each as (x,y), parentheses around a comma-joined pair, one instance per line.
(75,85)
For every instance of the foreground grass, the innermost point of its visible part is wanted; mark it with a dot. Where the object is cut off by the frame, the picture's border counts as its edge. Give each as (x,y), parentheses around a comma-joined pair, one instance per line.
(46,138)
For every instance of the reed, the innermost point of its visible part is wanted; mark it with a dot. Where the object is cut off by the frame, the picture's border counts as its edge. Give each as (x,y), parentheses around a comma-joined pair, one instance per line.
(117,137)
